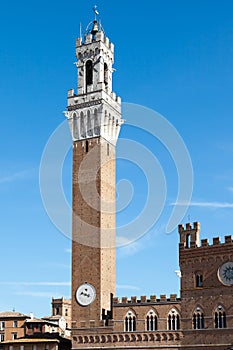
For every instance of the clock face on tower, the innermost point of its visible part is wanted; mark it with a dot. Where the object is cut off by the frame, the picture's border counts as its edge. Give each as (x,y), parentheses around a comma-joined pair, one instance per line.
(85,294)
(225,273)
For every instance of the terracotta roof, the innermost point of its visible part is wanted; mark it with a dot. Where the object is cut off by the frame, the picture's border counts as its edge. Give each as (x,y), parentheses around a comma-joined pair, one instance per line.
(12,314)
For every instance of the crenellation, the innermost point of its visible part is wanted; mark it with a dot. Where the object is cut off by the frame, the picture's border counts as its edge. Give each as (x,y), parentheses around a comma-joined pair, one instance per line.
(144,300)
(134,299)
(173,297)
(216,240)
(228,239)
(163,298)
(124,300)
(100,36)
(204,243)
(106,41)
(88,39)
(70,93)
(153,299)
(78,42)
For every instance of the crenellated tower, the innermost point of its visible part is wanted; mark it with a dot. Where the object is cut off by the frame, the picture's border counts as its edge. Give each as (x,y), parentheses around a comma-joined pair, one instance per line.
(94,117)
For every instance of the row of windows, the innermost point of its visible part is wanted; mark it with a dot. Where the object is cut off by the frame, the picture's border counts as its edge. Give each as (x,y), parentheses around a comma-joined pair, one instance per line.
(14,336)
(89,73)
(2,325)
(220,320)
(173,320)
(84,126)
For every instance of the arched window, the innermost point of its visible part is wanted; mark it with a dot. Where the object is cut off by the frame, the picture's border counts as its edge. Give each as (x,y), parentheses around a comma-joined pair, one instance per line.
(199,280)
(151,321)
(75,126)
(89,128)
(130,322)
(89,72)
(188,239)
(220,318)
(198,319)
(82,125)
(96,123)
(105,74)
(173,320)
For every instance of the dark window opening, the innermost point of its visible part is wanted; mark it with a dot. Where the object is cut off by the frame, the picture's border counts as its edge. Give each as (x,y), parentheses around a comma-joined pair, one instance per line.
(107,149)
(151,323)
(105,74)
(198,321)
(89,73)
(199,280)
(188,238)
(87,146)
(220,320)
(130,324)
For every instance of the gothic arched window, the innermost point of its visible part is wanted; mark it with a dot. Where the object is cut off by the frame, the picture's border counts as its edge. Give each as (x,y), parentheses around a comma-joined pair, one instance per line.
(75,126)
(199,280)
(220,318)
(173,320)
(151,321)
(198,319)
(96,123)
(82,125)
(89,127)
(130,322)
(89,72)
(105,74)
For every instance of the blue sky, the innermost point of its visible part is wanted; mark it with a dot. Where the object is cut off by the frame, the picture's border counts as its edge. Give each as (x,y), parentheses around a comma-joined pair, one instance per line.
(174,57)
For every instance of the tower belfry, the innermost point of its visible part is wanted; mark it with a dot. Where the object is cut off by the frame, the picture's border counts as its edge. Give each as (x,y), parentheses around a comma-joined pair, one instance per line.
(94,117)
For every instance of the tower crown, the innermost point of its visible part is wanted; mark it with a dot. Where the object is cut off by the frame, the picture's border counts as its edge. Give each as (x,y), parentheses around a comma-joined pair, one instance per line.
(95,110)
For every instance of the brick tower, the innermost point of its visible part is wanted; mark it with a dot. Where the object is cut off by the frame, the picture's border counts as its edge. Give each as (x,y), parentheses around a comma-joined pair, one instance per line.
(94,116)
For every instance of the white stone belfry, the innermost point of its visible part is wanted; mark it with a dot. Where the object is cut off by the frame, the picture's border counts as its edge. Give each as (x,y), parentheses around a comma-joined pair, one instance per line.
(96,110)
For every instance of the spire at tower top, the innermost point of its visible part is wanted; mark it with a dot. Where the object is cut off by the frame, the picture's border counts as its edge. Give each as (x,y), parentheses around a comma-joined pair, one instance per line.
(95,12)
(94,26)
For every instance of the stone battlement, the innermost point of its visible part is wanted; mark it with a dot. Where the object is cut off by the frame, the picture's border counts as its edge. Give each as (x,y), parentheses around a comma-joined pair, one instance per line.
(89,38)
(189,237)
(71,94)
(144,300)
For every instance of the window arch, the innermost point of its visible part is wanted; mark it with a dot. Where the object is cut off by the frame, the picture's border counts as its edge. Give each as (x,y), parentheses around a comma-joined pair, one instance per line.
(199,280)
(96,123)
(173,320)
(82,125)
(75,126)
(89,127)
(151,321)
(89,72)
(220,318)
(105,74)
(130,322)
(198,319)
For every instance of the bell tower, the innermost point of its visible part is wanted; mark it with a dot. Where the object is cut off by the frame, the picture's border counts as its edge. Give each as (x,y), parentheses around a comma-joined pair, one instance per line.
(94,117)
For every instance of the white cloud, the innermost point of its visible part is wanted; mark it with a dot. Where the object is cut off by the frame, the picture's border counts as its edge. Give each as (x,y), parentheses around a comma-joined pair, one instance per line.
(21,175)
(223,205)
(125,286)
(68,250)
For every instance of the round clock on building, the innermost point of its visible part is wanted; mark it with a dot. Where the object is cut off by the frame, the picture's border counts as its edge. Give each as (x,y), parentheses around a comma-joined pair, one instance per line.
(85,294)
(225,273)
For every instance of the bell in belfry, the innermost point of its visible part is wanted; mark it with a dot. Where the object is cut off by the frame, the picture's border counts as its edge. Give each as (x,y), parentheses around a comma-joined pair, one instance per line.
(95,28)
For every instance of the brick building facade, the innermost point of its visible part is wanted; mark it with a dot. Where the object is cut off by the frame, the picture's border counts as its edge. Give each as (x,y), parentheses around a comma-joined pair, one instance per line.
(203,315)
